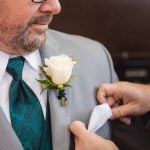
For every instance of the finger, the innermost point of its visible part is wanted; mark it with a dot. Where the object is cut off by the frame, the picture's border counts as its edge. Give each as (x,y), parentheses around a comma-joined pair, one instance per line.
(102,93)
(126,120)
(115,105)
(110,101)
(78,128)
(108,90)
(118,103)
(122,111)
(76,143)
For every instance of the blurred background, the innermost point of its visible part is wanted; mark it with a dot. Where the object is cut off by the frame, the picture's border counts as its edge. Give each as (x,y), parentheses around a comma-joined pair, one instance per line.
(123,26)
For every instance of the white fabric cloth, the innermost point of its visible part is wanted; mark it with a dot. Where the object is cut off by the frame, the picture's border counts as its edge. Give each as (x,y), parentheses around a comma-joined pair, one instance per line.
(29,75)
(99,116)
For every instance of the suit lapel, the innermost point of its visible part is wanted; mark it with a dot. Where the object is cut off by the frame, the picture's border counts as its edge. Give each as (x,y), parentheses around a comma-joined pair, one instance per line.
(49,49)
(8,138)
(60,116)
(60,119)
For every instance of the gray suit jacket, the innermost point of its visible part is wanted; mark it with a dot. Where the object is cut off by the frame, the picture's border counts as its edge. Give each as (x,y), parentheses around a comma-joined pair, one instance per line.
(94,66)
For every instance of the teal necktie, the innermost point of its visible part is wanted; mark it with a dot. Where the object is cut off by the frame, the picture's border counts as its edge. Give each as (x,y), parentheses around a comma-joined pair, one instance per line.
(25,110)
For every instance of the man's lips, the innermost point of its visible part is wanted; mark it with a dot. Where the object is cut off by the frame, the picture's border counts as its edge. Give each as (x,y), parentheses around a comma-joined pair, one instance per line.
(42,22)
(40,26)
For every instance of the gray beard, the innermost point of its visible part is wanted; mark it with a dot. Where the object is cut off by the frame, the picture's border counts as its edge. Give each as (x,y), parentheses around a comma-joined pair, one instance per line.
(27,42)
(22,40)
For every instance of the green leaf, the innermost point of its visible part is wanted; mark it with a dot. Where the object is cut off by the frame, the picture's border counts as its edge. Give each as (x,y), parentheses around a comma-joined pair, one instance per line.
(42,81)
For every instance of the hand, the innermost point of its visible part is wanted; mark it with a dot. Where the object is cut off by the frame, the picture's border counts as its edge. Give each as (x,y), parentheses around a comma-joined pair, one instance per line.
(85,140)
(126,99)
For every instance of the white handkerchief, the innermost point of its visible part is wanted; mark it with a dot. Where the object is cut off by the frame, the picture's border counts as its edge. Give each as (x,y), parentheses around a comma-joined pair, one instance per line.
(99,116)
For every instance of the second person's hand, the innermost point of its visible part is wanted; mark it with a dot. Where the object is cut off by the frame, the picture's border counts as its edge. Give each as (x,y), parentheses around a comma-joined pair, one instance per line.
(85,140)
(126,99)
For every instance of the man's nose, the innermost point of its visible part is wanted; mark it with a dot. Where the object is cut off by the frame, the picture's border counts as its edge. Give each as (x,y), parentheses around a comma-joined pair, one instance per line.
(52,6)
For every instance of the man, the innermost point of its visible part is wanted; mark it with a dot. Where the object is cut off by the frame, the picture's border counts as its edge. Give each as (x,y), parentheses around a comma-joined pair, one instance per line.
(135,101)
(26,121)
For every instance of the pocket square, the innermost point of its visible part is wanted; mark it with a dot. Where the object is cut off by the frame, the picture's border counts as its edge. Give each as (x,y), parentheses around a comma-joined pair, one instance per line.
(99,116)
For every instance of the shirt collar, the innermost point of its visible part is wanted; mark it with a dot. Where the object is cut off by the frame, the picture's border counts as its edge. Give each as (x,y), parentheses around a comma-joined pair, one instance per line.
(4,57)
(33,59)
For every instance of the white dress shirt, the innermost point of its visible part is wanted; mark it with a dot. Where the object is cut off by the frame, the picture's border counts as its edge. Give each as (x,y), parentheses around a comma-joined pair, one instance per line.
(29,75)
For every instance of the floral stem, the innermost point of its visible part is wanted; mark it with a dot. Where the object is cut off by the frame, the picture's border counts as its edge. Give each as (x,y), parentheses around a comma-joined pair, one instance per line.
(61,96)
(62,101)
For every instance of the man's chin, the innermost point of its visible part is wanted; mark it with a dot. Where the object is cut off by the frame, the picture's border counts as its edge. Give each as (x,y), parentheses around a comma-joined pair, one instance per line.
(35,42)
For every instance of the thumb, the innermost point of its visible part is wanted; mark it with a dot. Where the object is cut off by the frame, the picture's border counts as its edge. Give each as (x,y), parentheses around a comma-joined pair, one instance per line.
(77,128)
(122,111)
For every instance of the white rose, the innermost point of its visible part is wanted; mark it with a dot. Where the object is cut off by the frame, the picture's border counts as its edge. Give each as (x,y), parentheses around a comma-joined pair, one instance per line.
(59,68)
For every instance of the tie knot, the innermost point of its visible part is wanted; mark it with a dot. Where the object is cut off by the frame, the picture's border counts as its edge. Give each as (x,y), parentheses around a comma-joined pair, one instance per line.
(15,66)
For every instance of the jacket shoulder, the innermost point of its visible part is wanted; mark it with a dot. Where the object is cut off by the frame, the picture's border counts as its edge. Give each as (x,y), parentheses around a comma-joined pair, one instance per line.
(71,40)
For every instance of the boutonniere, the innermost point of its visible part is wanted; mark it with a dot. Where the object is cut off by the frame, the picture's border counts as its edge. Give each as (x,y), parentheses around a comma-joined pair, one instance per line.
(58,72)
